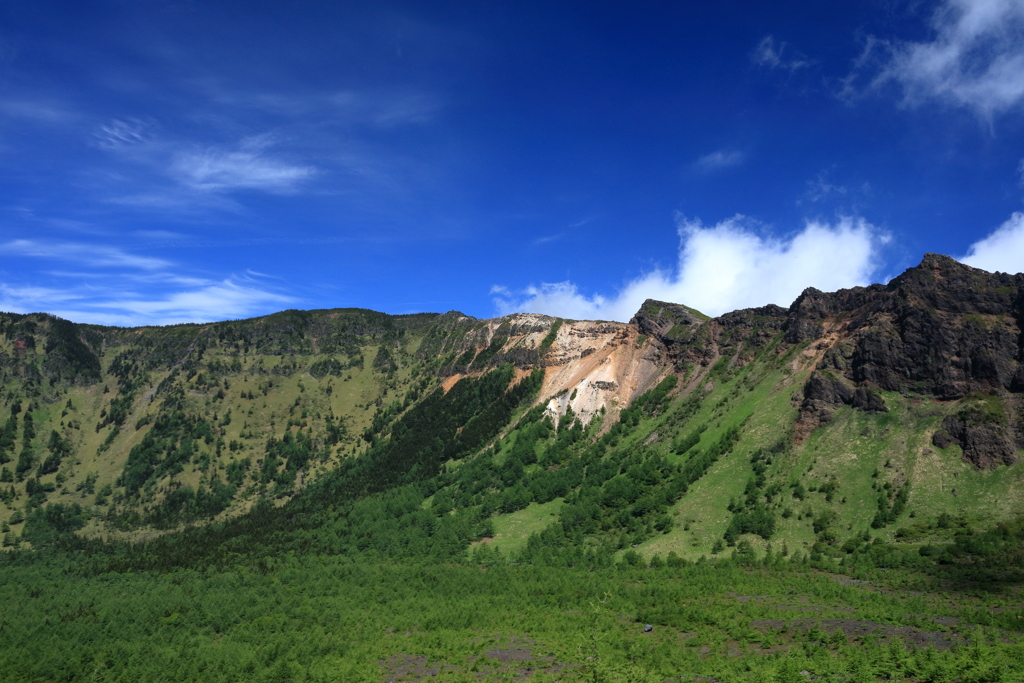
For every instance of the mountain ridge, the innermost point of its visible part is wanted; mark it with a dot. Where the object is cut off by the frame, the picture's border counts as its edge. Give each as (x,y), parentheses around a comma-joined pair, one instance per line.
(141,425)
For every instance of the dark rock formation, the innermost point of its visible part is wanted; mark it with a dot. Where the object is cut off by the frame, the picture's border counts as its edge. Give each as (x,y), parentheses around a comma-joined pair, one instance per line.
(983,429)
(668,322)
(941,439)
(823,394)
(689,337)
(986,444)
(941,328)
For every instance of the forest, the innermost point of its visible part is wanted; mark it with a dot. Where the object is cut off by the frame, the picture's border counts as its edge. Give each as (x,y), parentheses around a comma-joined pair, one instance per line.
(377,572)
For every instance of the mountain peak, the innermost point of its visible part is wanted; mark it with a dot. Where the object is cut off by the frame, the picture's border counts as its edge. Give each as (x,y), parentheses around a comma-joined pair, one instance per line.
(660,318)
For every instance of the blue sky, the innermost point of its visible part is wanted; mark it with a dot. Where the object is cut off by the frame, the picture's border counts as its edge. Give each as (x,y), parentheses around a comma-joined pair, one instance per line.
(189,161)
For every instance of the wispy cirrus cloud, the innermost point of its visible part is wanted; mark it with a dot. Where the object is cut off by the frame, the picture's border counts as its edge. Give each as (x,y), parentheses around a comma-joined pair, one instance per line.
(386,108)
(546,239)
(719,160)
(975,59)
(775,54)
(38,111)
(218,170)
(109,303)
(821,188)
(233,297)
(118,133)
(110,285)
(94,255)
(351,108)
(184,175)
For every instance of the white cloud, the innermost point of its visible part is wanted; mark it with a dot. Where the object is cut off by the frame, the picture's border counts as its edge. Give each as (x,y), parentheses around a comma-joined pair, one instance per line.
(159,235)
(216,301)
(720,159)
(820,188)
(20,299)
(248,167)
(110,303)
(87,254)
(1003,250)
(111,286)
(771,53)
(722,268)
(546,239)
(118,133)
(975,60)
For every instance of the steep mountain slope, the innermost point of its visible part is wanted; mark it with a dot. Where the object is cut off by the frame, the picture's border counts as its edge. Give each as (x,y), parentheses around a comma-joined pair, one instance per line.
(888,411)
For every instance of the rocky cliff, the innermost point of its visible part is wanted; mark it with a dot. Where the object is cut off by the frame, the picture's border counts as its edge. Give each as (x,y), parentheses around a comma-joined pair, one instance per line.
(940,330)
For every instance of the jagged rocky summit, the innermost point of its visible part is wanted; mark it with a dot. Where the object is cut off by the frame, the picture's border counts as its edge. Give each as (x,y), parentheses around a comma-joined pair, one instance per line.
(941,330)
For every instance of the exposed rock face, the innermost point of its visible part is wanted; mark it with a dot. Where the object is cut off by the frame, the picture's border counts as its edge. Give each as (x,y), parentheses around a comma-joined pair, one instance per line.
(689,337)
(667,321)
(983,428)
(984,444)
(834,392)
(941,328)
(589,365)
(823,394)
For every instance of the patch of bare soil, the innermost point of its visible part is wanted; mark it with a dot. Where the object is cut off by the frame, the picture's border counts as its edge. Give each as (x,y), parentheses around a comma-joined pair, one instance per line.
(511,660)
(403,667)
(854,628)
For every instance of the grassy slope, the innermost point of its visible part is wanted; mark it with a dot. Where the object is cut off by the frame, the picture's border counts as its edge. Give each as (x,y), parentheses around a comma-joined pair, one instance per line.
(511,531)
(353,397)
(849,449)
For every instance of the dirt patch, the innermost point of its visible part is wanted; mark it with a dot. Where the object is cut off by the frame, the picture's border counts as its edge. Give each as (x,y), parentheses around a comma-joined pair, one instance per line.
(847,581)
(854,628)
(513,655)
(410,668)
(450,382)
(510,660)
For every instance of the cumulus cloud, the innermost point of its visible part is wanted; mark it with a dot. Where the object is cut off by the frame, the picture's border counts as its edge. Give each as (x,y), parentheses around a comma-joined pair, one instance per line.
(724,267)
(975,59)
(1003,250)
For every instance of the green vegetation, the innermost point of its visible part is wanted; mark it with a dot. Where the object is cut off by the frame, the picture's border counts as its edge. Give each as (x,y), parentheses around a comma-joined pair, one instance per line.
(550,337)
(304,616)
(253,500)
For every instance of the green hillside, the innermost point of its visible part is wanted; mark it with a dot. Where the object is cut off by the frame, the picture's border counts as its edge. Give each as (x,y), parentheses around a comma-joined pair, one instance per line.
(760,488)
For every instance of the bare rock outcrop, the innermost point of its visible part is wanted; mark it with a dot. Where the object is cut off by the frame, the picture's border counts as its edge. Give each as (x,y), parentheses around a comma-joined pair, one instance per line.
(823,394)
(941,328)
